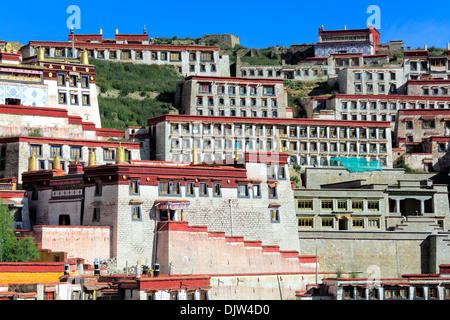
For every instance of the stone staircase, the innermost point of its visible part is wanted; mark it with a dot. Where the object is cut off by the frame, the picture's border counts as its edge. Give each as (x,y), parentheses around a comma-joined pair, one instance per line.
(419,224)
(195,250)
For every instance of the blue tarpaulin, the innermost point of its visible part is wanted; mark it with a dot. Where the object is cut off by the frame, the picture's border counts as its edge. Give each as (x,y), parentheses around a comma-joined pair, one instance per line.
(358,164)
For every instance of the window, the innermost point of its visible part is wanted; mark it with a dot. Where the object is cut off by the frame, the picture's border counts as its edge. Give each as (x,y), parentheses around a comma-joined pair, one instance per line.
(134,187)
(243,191)
(357,205)
(305,222)
(163,56)
(394,293)
(357,223)
(36,150)
(428,124)
(85,81)
(204,88)
(432,293)
(55,151)
(274,215)
(169,188)
(175,56)
(273,192)
(190,191)
(217,191)
(86,99)
(203,189)
(256,191)
(409,125)
(327,222)
(327,204)
(96,215)
(75,152)
(74,98)
(108,154)
(206,56)
(342,204)
(98,188)
(268,90)
(61,79)
(305,204)
(136,213)
(271,172)
(373,223)
(73,81)
(373,205)
(62,97)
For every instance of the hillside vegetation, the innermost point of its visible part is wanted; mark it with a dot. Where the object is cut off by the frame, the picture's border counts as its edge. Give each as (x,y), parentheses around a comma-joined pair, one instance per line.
(132,93)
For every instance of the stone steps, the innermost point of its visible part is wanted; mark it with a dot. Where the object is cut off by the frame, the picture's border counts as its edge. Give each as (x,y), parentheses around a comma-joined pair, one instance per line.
(222,254)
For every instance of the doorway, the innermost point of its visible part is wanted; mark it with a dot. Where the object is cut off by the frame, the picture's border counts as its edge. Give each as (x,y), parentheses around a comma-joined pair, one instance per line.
(343,223)
(166,215)
(64,220)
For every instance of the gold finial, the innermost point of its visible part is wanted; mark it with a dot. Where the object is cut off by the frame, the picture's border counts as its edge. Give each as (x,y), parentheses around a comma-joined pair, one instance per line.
(8,47)
(84,57)
(91,161)
(40,54)
(194,156)
(280,148)
(32,163)
(120,154)
(56,162)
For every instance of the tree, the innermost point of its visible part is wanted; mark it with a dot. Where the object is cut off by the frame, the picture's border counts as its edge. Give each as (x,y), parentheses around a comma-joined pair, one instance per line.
(11,248)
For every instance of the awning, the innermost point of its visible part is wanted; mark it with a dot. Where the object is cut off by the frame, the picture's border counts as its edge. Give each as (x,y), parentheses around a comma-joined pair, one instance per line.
(172,204)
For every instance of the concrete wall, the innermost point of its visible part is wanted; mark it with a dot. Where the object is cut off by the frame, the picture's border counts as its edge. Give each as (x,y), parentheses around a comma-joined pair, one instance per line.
(393,253)
(259,287)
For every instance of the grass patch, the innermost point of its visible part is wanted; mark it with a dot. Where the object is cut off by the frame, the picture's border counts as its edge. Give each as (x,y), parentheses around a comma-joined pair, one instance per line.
(117,113)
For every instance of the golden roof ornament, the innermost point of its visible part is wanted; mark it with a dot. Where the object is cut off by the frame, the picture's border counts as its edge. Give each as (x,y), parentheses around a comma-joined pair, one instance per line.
(91,160)
(40,54)
(84,57)
(32,163)
(120,154)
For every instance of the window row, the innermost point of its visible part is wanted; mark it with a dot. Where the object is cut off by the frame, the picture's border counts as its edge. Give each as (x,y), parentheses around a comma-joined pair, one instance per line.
(64,79)
(352,147)
(234,113)
(332,223)
(340,205)
(292,131)
(380,76)
(374,105)
(210,102)
(73,98)
(444,91)
(74,152)
(369,117)
(395,293)
(287,74)
(266,90)
(173,188)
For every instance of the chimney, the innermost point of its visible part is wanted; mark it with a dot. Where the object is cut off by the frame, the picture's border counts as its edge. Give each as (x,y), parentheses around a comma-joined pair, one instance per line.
(426,47)
(100,31)
(117,31)
(345,27)
(75,168)
(448,46)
